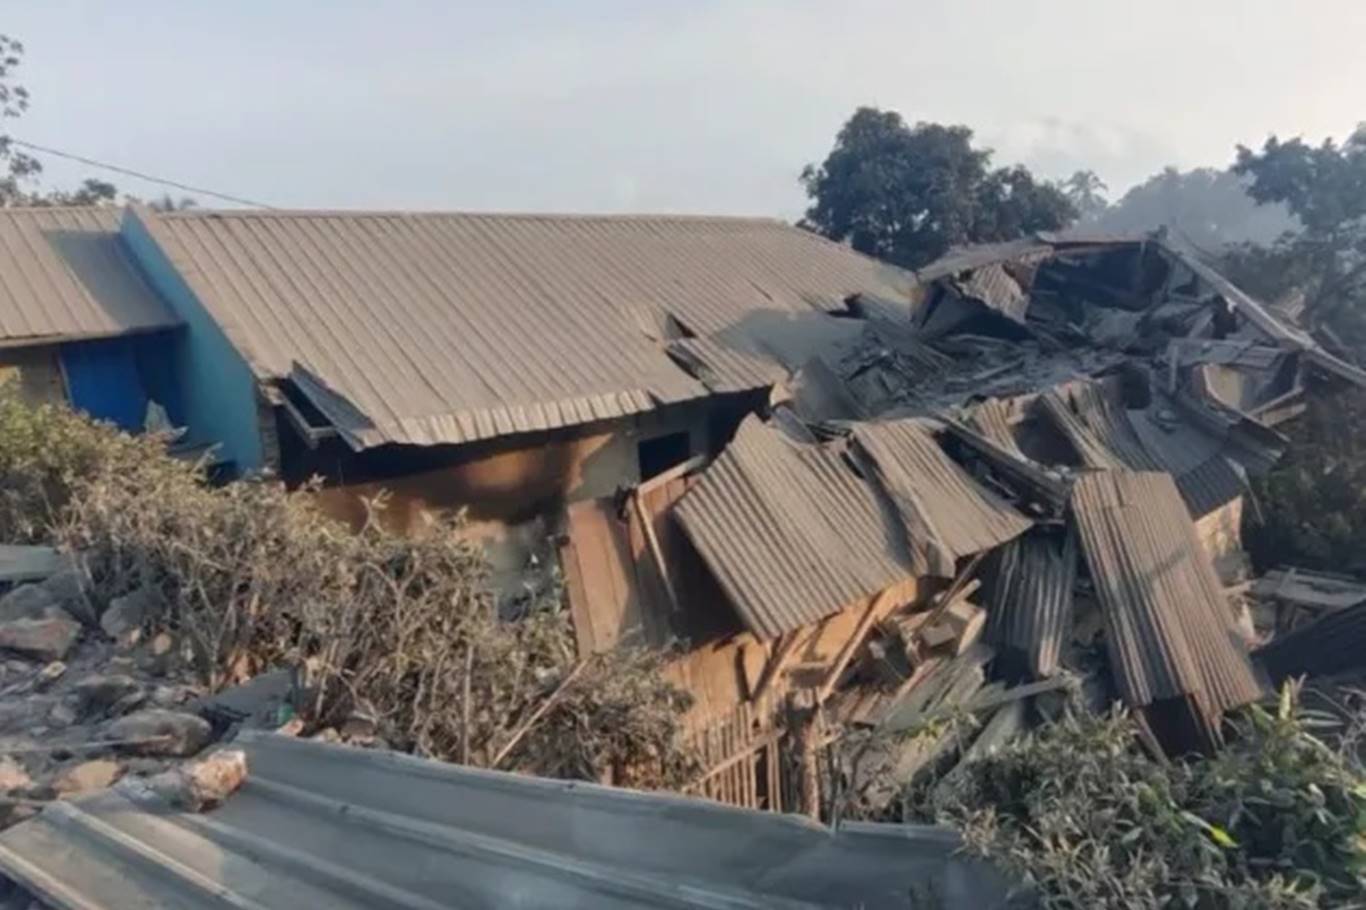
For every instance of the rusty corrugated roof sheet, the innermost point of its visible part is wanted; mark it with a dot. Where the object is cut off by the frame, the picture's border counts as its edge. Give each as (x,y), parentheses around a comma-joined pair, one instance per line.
(790,531)
(1029,599)
(64,275)
(448,328)
(945,513)
(722,368)
(1169,629)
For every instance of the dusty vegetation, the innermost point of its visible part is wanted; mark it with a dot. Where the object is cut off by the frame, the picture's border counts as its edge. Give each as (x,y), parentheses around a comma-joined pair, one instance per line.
(1311,507)
(398,632)
(1275,820)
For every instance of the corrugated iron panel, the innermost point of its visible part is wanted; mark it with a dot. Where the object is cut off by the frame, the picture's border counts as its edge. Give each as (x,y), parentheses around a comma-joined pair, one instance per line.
(1188,351)
(326,826)
(1169,629)
(447,328)
(945,513)
(64,275)
(1334,643)
(1029,598)
(790,531)
(993,418)
(722,368)
(994,286)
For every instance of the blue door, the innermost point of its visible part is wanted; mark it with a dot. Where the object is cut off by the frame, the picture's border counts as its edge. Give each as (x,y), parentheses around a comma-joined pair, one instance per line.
(102,380)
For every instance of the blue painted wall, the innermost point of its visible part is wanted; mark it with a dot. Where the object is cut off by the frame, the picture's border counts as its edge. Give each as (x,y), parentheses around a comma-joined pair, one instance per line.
(215,388)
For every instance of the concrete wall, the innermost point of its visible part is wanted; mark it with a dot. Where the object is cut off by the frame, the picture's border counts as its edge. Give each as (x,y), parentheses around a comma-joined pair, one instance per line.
(36,373)
(215,388)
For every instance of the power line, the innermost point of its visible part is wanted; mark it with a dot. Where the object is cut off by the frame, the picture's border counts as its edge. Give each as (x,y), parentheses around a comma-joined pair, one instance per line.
(197,190)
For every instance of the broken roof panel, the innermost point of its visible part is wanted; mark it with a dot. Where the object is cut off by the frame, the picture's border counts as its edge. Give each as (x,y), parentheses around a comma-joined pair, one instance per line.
(1029,599)
(790,531)
(448,328)
(945,513)
(64,275)
(322,825)
(722,368)
(1169,629)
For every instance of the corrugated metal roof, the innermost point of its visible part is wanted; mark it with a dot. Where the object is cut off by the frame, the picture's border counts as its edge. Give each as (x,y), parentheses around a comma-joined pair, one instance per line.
(64,274)
(722,368)
(1029,598)
(790,531)
(447,328)
(328,826)
(946,515)
(1169,629)
(1334,643)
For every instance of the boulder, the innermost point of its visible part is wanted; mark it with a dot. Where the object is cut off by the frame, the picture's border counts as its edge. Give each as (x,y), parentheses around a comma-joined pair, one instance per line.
(126,614)
(51,673)
(70,589)
(29,602)
(87,776)
(172,732)
(42,639)
(97,694)
(62,714)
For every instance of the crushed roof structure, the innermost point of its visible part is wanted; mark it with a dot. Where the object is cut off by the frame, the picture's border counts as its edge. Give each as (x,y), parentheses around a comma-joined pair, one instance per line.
(449,328)
(322,825)
(64,277)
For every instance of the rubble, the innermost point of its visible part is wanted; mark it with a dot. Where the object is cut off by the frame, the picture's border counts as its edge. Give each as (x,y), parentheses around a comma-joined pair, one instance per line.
(89,775)
(46,639)
(30,601)
(157,731)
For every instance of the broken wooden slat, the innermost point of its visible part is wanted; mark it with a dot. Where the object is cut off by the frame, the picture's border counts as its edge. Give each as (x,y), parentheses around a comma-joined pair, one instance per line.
(865,624)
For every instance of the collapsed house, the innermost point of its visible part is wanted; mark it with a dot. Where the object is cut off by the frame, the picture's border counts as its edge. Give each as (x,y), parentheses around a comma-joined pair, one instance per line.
(1032,471)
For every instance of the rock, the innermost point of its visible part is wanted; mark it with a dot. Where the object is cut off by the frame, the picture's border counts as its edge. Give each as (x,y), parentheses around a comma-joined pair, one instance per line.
(260,701)
(90,775)
(43,639)
(173,696)
(70,589)
(97,694)
(51,673)
(129,703)
(125,615)
(29,602)
(12,776)
(180,734)
(211,780)
(62,714)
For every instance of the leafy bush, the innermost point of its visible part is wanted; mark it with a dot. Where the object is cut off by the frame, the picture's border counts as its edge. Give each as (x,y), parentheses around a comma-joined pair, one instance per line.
(1276,819)
(248,576)
(1312,504)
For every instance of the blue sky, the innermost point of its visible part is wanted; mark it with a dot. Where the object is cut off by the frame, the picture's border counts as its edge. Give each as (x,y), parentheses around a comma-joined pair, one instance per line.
(697,106)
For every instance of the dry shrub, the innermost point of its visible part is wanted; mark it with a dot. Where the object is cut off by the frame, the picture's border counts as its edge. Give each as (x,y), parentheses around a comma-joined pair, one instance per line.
(247,577)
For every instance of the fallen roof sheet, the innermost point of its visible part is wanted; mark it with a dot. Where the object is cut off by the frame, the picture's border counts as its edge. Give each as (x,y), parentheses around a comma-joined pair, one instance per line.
(449,328)
(790,531)
(322,825)
(64,275)
(1313,590)
(1029,599)
(1169,629)
(722,368)
(1333,643)
(945,513)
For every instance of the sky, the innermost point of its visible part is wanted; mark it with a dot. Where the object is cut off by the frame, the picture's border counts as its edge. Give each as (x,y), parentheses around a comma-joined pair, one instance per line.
(650,106)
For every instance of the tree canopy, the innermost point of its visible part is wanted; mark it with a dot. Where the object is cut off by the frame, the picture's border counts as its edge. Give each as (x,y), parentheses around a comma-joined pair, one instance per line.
(1324,187)
(906,194)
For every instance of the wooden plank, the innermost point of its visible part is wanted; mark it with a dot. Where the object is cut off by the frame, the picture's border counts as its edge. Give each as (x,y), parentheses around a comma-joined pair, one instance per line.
(682,469)
(851,645)
(784,651)
(656,553)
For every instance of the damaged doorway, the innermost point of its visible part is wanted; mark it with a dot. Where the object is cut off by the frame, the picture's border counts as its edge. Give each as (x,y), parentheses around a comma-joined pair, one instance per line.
(657,455)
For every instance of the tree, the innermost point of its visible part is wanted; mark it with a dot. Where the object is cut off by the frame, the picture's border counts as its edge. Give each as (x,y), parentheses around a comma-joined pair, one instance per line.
(1206,208)
(907,194)
(1086,191)
(1324,186)
(18,171)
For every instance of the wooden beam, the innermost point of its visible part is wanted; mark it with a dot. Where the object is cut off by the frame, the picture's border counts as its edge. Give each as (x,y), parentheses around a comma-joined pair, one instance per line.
(682,469)
(851,644)
(783,652)
(763,742)
(656,552)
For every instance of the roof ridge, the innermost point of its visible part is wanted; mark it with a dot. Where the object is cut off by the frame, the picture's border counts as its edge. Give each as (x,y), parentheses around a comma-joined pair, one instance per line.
(190,214)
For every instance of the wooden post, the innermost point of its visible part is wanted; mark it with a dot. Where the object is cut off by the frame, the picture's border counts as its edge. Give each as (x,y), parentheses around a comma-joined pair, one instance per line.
(656,553)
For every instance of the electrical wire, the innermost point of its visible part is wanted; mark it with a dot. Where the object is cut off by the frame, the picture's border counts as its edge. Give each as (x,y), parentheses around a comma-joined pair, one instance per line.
(197,190)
